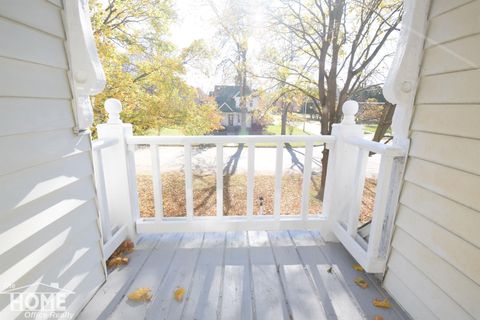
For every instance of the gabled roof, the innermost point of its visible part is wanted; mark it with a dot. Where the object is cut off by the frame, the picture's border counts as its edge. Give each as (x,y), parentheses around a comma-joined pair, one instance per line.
(225,107)
(225,97)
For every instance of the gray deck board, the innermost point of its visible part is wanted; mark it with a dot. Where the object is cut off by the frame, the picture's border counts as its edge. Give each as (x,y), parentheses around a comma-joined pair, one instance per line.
(239,275)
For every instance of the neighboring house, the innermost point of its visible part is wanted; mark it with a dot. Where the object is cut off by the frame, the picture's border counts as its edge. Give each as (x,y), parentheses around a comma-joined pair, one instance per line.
(228,100)
(58,190)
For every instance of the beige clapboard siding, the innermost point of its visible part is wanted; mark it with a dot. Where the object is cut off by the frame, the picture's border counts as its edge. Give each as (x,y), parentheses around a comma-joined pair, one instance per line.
(457,185)
(436,244)
(25,79)
(460,288)
(27,220)
(26,255)
(57,3)
(60,265)
(409,301)
(454,56)
(64,258)
(440,304)
(456,120)
(441,6)
(48,213)
(444,149)
(459,253)
(47,146)
(451,215)
(39,14)
(450,88)
(42,115)
(48,49)
(454,24)
(30,184)
(85,290)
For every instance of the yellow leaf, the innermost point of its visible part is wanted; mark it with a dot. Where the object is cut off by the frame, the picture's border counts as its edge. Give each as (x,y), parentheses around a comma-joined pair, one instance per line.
(357,267)
(385,304)
(377,318)
(362,283)
(178,294)
(141,294)
(116,261)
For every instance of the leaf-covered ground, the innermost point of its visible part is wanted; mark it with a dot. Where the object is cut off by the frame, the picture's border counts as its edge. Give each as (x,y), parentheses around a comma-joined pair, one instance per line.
(235,195)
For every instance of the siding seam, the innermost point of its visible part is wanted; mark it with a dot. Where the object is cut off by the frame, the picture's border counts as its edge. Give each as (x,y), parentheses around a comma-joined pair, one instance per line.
(443,165)
(450,10)
(34,28)
(438,225)
(441,195)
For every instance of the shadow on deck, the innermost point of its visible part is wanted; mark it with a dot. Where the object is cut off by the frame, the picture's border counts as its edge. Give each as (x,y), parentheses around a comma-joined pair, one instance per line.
(240,275)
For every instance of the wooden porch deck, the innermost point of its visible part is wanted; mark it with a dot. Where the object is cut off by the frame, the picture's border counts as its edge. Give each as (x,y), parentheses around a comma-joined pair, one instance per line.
(240,275)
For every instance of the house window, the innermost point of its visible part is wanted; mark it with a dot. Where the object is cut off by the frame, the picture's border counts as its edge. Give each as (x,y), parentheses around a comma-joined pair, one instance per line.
(230,119)
(238,118)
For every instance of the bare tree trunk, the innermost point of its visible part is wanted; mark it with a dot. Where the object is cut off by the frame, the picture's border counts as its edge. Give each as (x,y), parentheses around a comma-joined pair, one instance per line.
(243,87)
(385,122)
(284,119)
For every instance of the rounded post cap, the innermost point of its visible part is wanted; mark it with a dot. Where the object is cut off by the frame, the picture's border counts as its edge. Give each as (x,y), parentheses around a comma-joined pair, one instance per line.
(113,108)
(349,109)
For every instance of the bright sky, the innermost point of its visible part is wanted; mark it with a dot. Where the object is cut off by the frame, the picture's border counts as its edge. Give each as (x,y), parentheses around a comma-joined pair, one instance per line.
(196,20)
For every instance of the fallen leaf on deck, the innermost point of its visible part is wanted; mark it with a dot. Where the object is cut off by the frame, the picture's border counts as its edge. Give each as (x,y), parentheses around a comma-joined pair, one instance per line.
(178,294)
(377,318)
(141,294)
(330,269)
(385,304)
(357,267)
(362,283)
(116,261)
(127,246)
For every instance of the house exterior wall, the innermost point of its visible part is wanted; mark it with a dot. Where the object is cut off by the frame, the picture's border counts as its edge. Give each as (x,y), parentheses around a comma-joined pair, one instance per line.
(434,265)
(236,119)
(48,215)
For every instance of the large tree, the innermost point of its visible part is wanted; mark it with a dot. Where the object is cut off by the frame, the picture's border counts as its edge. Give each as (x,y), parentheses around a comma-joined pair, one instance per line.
(334,48)
(144,70)
(232,19)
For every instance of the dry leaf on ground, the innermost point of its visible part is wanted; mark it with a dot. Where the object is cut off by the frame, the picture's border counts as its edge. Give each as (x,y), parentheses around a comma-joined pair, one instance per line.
(357,267)
(385,304)
(141,294)
(127,246)
(362,283)
(377,318)
(178,294)
(115,261)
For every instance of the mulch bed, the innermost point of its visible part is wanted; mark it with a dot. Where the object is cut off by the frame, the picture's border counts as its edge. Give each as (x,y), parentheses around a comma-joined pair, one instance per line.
(235,195)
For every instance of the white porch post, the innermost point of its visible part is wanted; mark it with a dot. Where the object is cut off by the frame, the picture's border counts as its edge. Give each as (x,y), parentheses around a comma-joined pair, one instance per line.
(342,164)
(119,170)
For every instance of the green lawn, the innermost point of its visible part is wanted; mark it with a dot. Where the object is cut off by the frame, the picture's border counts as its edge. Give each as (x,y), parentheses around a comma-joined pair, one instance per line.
(369,128)
(276,129)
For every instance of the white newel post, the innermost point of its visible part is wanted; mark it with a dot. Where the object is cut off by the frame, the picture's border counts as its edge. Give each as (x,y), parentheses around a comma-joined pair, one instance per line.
(342,164)
(119,169)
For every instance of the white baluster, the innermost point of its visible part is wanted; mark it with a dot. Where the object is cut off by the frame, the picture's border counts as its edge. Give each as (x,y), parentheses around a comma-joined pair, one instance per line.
(188,180)
(307,174)
(250,178)
(157,182)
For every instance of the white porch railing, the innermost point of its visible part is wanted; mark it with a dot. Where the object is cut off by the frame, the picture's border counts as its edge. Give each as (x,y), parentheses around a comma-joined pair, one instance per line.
(219,222)
(343,191)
